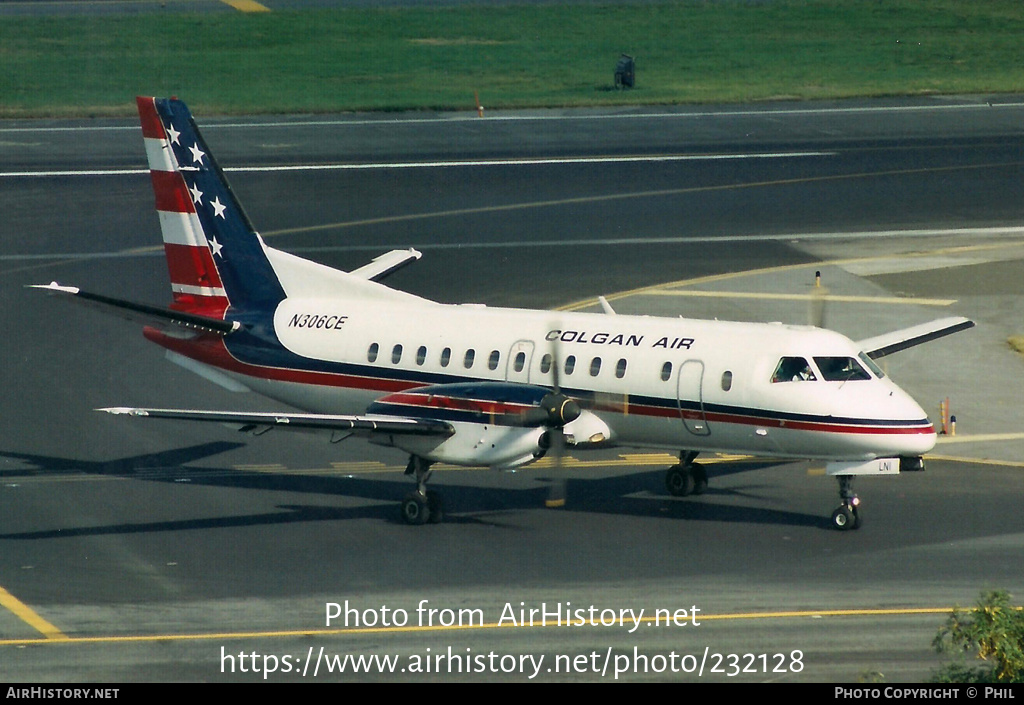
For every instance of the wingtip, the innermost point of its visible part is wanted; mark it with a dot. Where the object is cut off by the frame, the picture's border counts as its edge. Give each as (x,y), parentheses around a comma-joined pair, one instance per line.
(124,411)
(54,286)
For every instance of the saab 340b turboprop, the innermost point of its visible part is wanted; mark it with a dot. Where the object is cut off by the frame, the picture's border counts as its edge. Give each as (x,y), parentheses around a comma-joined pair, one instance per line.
(479,386)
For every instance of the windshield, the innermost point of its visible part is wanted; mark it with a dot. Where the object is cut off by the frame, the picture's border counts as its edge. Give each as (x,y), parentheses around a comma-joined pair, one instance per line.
(793,369)
(840,369)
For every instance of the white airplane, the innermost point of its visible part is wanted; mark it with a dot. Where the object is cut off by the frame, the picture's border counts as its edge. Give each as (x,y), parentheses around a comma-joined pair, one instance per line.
(477,386)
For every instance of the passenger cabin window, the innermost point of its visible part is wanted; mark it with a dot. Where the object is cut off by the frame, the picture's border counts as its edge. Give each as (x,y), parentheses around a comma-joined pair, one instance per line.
(446,357)
(666,371)
(470,357)
(840,369)
(726,381)
(396,354)
(545,364)
(372,353)
(492,361)
(520,362)
(595,367)
(421,355)
(620,368)
(570,364)
(793,369)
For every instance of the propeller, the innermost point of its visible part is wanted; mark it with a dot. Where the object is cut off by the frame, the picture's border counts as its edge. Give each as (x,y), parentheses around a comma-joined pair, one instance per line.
(560,410)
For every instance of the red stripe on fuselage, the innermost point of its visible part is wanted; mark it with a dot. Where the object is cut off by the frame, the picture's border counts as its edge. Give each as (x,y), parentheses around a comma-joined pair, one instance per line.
(151,125)
(172,194)
(756,419)
(210,349)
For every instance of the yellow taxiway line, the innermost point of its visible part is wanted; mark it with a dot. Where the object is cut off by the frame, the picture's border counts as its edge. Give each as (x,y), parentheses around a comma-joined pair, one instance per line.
(246,5)
(269,634)
(30,617)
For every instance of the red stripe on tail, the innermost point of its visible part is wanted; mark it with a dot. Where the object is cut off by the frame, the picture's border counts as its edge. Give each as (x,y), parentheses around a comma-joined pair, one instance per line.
(191,266)
(172,194)
(151,125)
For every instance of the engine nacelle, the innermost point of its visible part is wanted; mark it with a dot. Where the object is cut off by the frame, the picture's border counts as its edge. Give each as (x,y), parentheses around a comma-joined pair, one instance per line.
(498,447)
(496,424)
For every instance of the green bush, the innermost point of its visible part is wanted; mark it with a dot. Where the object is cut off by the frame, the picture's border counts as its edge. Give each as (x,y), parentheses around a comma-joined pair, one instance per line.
(994,632)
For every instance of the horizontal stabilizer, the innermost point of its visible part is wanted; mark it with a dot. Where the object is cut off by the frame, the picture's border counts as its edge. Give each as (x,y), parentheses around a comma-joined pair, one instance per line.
(142,313)
(889,343)
(367,425)
(387,263)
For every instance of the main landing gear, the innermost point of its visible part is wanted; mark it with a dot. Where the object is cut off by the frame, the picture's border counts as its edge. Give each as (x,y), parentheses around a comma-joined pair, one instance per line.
(421,506)
(846,516)
(687,477)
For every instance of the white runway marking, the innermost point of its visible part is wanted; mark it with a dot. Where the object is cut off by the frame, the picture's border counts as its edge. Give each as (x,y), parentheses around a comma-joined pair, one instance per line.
(540,161)
(522,116)
(157,250)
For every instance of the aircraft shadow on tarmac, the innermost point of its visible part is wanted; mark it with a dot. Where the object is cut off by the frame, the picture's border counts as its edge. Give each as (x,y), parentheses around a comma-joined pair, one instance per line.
(639,494)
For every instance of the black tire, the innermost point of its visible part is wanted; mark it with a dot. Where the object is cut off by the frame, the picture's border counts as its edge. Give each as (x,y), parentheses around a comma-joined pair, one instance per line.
(679,481)
(415,509)
(843,518)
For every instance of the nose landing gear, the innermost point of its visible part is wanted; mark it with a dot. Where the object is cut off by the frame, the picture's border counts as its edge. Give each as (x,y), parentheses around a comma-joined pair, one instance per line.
(846,516)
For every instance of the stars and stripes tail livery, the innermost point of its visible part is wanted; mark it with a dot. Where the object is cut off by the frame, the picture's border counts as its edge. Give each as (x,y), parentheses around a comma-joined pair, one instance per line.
(473,385)
(215,258)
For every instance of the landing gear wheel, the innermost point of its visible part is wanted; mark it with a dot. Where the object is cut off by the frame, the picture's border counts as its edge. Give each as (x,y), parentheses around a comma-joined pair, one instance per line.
(435,508)
(842,518)
(700,478)
(415,509)
(846,518)
(679,481)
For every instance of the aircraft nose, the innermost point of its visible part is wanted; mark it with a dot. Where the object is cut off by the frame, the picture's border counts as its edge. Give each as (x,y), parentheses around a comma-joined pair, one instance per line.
(920,436)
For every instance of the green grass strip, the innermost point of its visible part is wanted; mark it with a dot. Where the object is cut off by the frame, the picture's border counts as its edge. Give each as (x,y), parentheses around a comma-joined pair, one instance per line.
(514,57)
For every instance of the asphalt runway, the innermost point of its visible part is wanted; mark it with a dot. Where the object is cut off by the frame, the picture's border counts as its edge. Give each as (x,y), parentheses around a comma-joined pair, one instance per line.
(165,552)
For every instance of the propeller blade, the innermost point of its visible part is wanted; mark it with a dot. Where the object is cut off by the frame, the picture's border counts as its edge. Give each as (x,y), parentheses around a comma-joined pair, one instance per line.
(557,481)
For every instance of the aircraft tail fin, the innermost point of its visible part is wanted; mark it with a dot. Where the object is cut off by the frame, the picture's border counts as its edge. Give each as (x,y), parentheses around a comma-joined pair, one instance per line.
(215,258)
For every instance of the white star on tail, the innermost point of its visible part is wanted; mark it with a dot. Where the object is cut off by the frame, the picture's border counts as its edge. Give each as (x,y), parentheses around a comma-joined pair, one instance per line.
(197,154)
(218,208)
(216,247)
(172,134)
(197,195)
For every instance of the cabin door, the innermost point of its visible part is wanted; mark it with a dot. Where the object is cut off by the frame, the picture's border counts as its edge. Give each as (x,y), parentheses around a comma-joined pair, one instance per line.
(517,365)
(690,396)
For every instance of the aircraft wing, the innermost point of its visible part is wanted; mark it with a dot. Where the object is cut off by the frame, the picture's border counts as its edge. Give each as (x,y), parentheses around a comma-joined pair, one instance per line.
(252,421)
(142,313)
(889,343)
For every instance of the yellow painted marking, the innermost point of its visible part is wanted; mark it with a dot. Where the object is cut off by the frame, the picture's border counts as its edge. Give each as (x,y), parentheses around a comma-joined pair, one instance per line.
(979,438)
(794,614)
(977,461)
(30,617)
(802,297)
(554,503)
(809,267)
(246,5)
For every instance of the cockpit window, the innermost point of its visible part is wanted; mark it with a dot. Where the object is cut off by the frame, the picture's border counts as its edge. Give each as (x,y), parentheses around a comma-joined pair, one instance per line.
(793,369)
(871,365)
(840,369)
